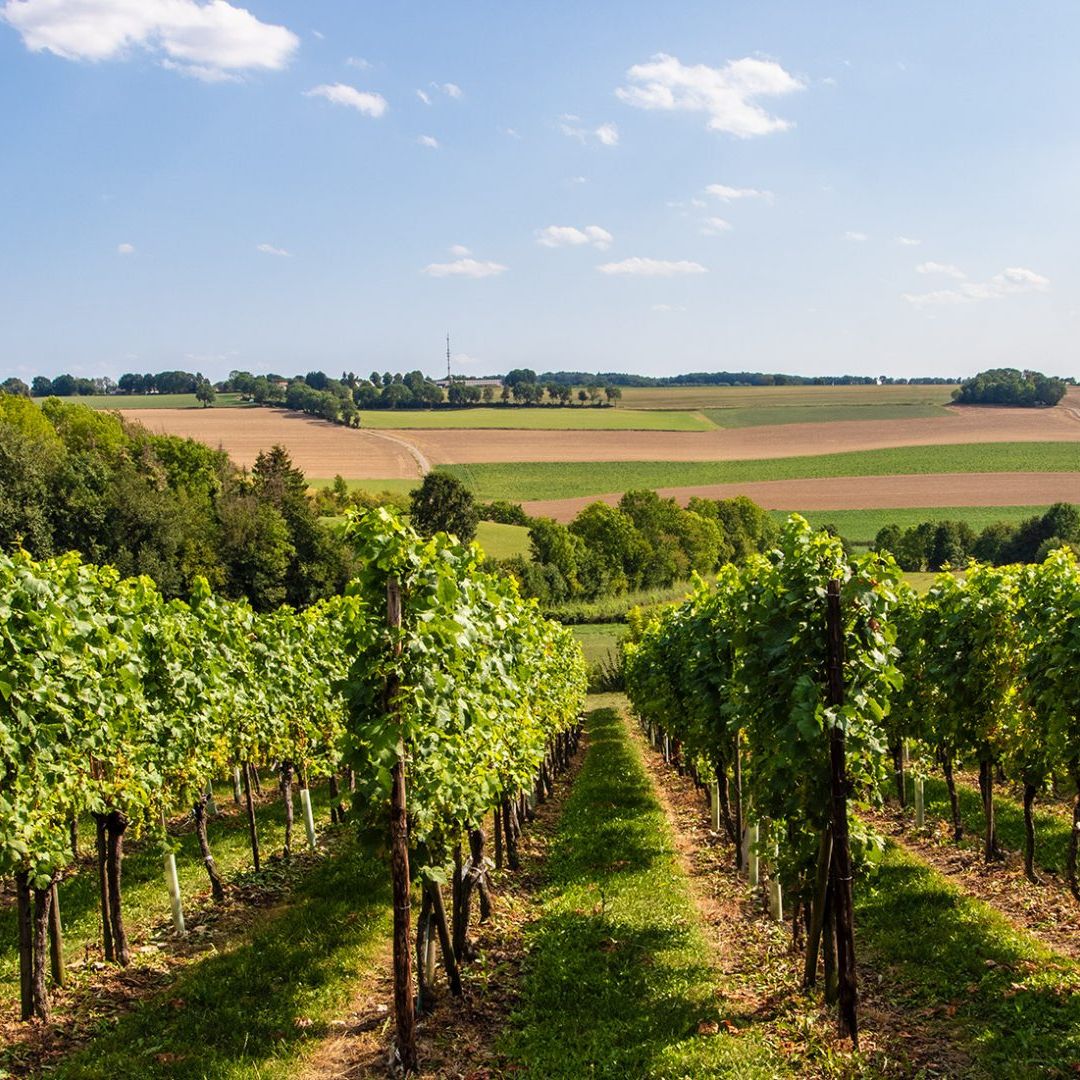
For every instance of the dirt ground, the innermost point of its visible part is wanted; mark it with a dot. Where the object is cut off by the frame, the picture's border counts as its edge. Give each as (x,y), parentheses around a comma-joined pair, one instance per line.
(321,449)
(966,425)
(858,492)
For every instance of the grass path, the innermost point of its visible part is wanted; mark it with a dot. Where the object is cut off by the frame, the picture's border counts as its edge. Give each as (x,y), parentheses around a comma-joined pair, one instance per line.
(619,981)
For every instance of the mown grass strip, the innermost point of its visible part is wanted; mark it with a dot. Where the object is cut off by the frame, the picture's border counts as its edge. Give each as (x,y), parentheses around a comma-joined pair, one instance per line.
(952,961)
(619,977)
(254,1010)
(545,418)
(570,479)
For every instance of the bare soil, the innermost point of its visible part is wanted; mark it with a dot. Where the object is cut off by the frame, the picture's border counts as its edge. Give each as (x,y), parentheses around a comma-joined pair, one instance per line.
(963,425)
(859,492)
(323,450)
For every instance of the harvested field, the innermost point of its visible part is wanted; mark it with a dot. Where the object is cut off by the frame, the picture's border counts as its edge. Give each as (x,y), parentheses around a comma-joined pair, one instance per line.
(748,397)
(857,492)
(317,447)
(961,425)
(544,418)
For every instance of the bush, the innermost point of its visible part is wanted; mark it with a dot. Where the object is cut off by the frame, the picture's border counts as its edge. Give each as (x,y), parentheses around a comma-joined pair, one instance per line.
(1009,386)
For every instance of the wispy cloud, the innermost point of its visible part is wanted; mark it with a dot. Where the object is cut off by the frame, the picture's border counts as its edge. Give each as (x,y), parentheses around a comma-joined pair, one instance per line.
(459,250)
(729,194)
(429,141)
(213,42)
(642,267)
(363,101)
(908,241)
(467,267)
(727,95)
(1011,281)
(569,236)
(606,134)
(947,269)
(714,226)
(359,63)
(269,249)
(125,249)
(856,237)
(424,96)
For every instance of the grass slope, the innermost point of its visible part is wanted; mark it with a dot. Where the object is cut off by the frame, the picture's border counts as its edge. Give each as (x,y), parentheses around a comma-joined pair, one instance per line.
(502,541)
(599,640)
(618,976)
(762,415)
(1011,1005)
(548,418)
(561,480)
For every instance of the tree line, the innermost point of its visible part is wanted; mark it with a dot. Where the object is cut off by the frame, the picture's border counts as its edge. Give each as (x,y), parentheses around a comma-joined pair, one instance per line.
(75,478)
(1010,386)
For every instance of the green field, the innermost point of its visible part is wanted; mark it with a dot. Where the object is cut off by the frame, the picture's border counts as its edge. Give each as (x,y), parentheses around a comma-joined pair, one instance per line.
(759,416)
(756,397)
(599,640)
(861,526)
(157,401)
(394,486)
(502,541)
(518,481)
(547,418)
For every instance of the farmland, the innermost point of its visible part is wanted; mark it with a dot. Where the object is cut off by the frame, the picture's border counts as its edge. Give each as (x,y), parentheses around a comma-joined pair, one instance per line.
(545,418)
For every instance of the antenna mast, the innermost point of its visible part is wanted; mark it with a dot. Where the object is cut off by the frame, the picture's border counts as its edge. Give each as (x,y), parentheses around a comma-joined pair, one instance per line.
(448,356)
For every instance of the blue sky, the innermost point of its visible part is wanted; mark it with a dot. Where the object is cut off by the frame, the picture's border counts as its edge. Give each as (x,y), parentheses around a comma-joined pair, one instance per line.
(335,185)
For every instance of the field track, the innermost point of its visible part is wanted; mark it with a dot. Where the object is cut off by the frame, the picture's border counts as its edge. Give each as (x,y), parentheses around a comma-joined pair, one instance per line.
(861,492)
(962,425)
(317,447)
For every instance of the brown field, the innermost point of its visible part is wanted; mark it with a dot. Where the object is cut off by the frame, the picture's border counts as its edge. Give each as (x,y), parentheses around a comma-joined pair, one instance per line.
(857,492)
(319,448)
(743,397)
(967,425)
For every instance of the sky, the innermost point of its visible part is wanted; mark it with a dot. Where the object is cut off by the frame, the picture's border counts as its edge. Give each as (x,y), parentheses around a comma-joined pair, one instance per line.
(654,188)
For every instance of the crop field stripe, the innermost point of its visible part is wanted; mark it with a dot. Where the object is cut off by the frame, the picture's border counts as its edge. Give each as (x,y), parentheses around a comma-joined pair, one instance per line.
(154,401)
(544,418)
(528,480)
(619,975)
(861,526)
(769,415)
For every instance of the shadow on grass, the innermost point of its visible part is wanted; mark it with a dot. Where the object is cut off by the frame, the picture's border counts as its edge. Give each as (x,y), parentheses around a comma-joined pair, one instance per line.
(1015,1005)
(247,1011)
(619,976)
(1052,830)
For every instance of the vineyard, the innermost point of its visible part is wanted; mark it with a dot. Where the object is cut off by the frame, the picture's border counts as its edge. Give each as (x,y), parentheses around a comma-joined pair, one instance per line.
(122,707)
(803,687)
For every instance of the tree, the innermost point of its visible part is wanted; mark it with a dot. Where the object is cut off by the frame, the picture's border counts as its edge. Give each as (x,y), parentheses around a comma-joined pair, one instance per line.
(15,386)
(41,387)
(613,393)
(205,393)
(442,503)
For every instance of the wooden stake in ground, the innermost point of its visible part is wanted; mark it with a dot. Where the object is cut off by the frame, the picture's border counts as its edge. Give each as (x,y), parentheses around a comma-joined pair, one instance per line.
(841,859)
(404,1010)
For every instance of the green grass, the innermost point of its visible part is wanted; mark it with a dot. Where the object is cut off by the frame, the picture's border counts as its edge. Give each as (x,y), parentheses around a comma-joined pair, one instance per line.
(146,900)
(597,640)
(254,1009)
(618,975)
(547,418)
(758,416)
(502,541)
(555,480)
(1052,830)
(861,526)
(611,609)
(959,968)
(394,486)
(157,401)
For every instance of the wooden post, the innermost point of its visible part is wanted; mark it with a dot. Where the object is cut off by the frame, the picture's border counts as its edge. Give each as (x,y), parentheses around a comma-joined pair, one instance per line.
(714,805)
(817,911)
(56,939)
(404,1010)
(841,860)
(737,768)
(753,866)
(26,944)
(252,830)
(776,896)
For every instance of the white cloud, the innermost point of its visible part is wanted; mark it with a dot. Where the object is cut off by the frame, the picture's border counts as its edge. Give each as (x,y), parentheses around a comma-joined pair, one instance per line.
(196,38)
(856,237)
(125,249)
(459,250)
(429,141)
(941,268)
(511,132)
(1011,281)
(574,181)
(714,226)
(471,268)
(668,307)
(424,96)
(907,241)
(452,90)
(728,194)
(608,134)
(360,63)
(269,249)
(727,94)
(639,267)
(569,236)
(318,34)
(363,101)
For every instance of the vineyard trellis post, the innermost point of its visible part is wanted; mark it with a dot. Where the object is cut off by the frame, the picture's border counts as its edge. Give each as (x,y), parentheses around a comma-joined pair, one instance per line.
(842,902)
(404,1009)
